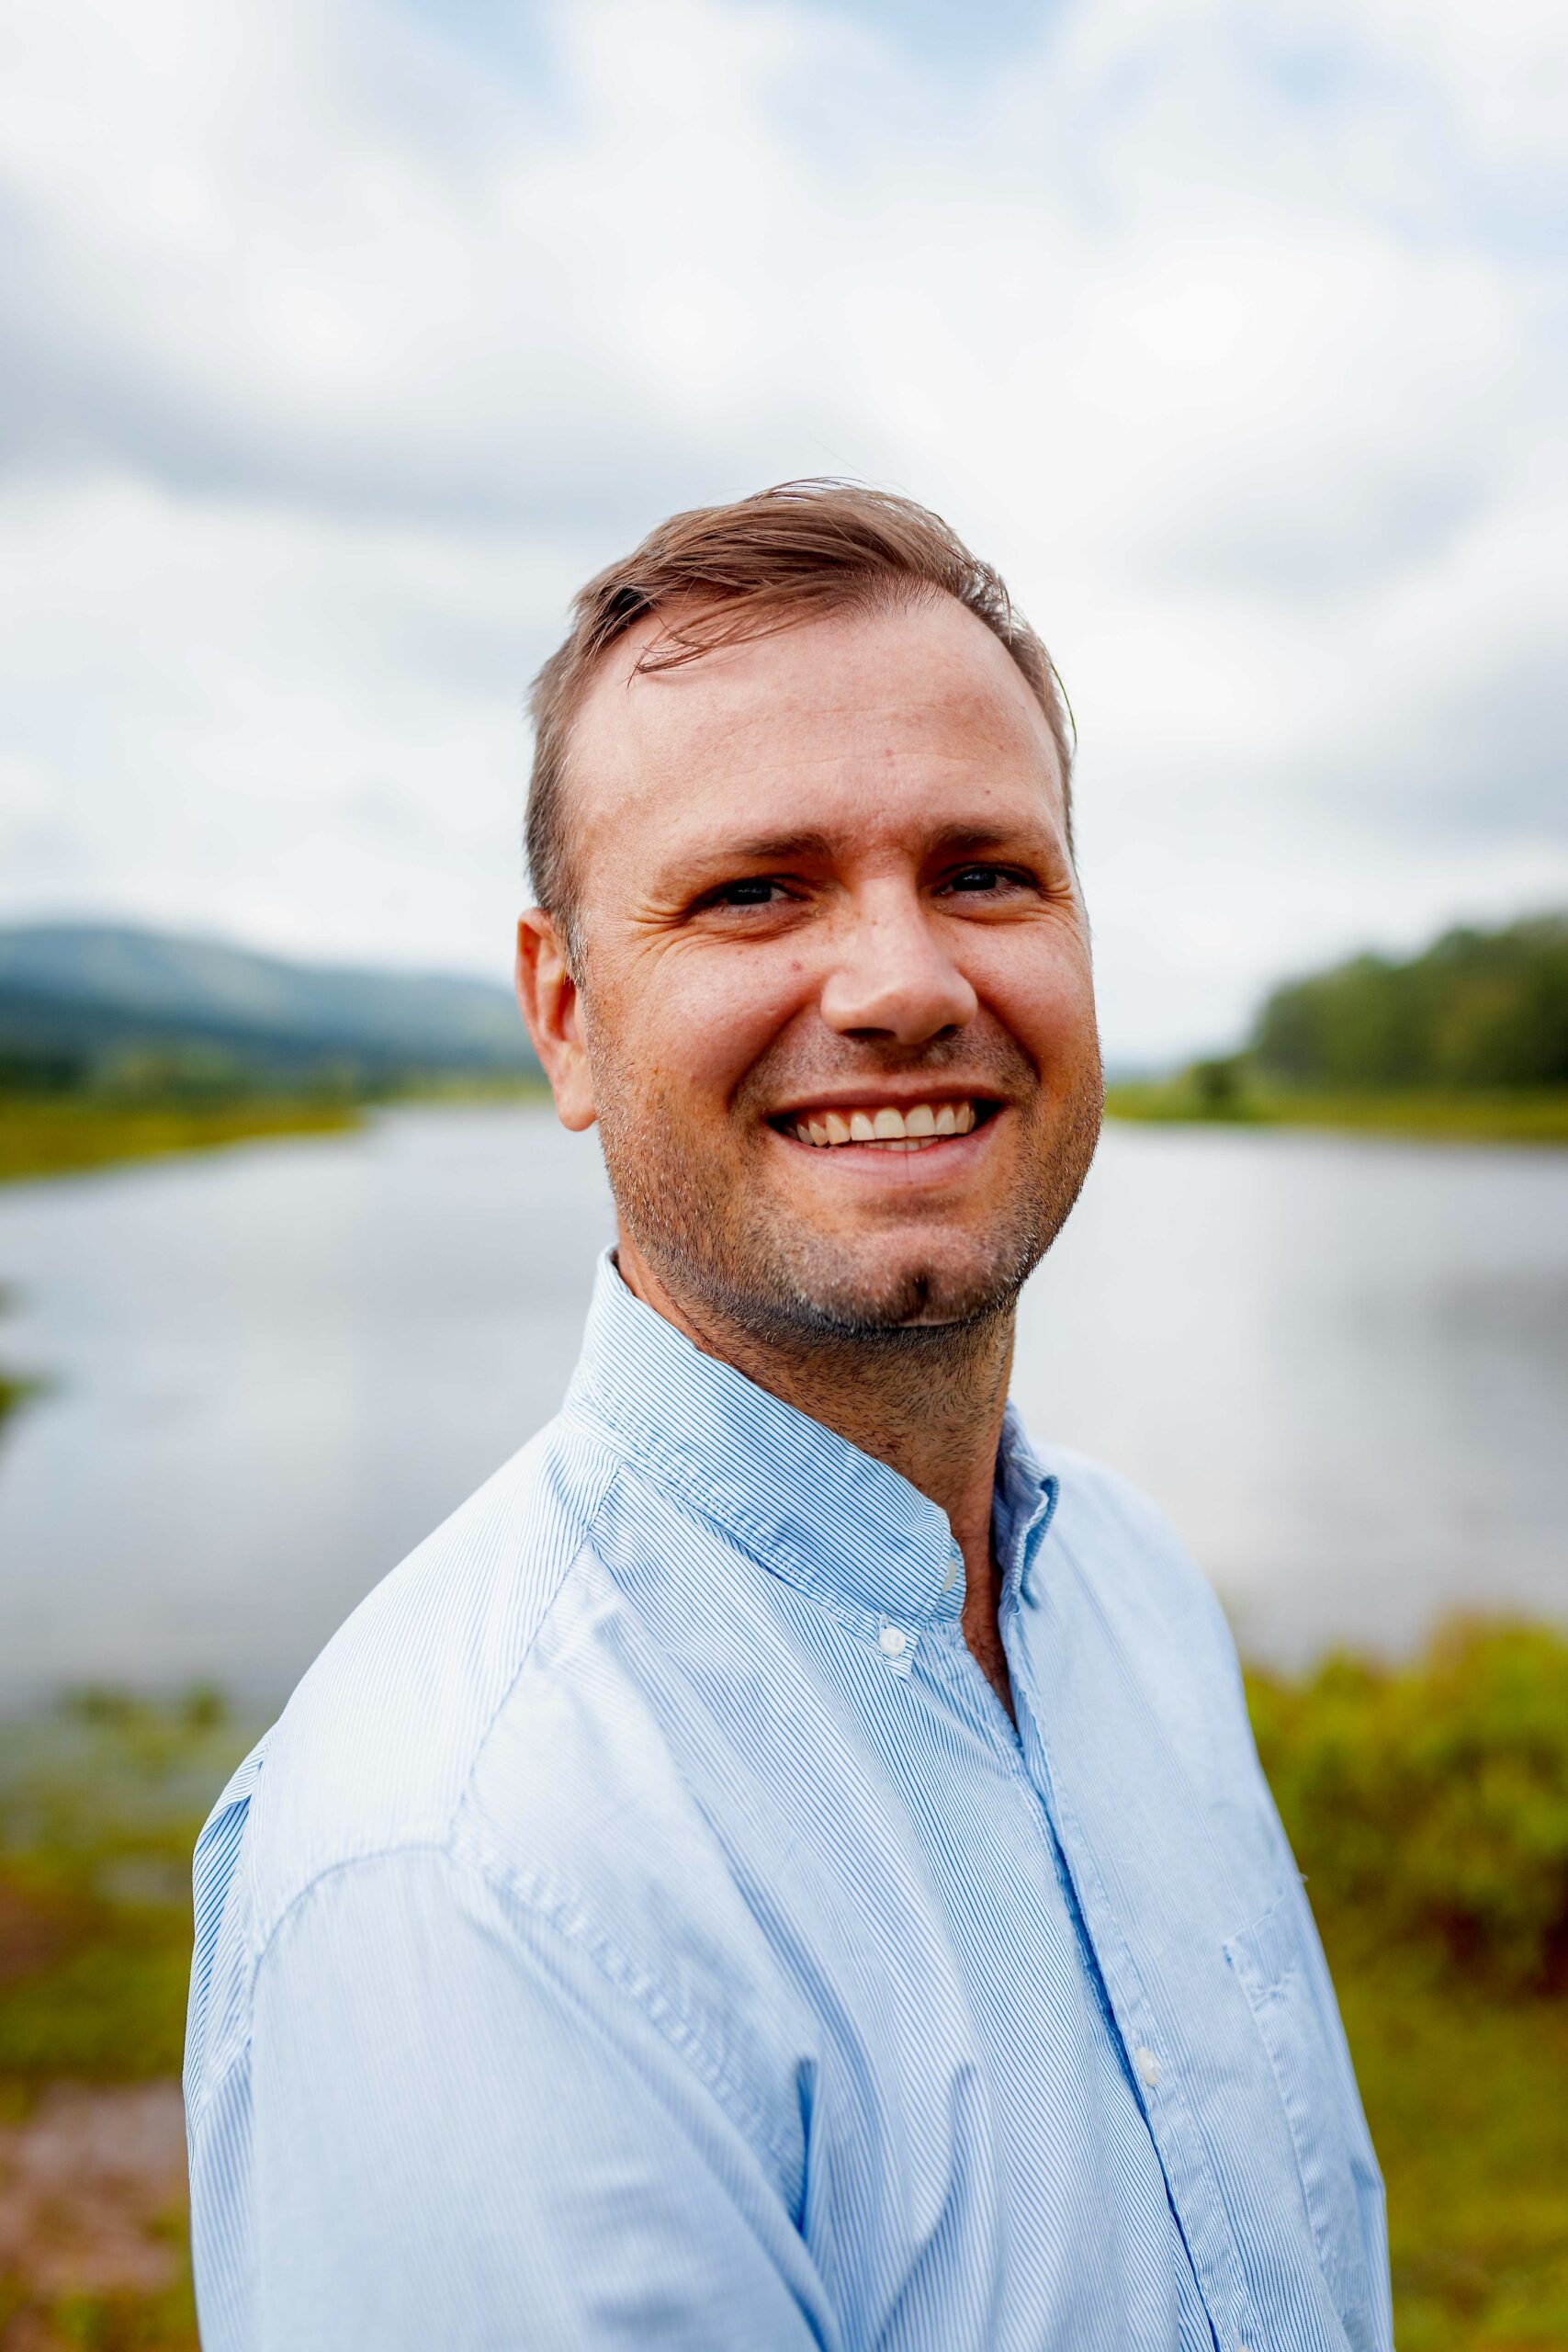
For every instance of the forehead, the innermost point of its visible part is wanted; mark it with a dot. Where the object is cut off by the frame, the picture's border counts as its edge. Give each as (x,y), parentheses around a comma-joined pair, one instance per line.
(878,719)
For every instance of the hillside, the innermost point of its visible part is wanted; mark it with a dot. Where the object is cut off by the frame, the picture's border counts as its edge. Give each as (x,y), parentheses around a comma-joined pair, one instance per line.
(93,1005)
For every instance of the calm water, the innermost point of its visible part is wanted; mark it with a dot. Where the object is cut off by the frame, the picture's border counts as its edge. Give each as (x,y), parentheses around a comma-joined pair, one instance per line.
(1341,1366)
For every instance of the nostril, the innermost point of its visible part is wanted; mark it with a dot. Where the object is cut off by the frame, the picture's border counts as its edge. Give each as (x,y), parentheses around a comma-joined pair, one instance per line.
(881,1037)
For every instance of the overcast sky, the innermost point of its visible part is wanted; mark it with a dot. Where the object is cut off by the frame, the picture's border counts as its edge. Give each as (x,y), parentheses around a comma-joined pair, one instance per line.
(345,337)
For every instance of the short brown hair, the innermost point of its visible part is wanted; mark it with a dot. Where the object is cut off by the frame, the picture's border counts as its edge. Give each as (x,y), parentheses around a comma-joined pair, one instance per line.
(789,555)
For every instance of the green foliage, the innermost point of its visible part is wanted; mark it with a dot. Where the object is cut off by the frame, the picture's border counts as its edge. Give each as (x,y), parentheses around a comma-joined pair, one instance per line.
(1219,1087)
(1427,1804)
(163,2321)
(1468,1041)
(1223,1089)
(1527,1114)
(14,1392)
(1431,1801)
(1467,2097)
(100,1804)
(62,1133)
(1476,1010)
(45,1135)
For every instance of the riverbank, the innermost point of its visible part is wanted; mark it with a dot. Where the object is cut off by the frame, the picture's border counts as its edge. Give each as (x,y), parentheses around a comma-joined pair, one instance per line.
(1428,1806)
(44,1135)
(1522,1116)
(63,1135)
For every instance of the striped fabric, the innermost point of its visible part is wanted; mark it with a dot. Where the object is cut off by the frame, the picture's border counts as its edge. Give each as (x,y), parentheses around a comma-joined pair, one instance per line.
(645,1926)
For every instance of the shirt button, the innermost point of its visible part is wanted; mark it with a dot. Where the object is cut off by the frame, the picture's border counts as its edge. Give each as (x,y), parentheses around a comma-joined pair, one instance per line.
(1148,2065)
(893,1641)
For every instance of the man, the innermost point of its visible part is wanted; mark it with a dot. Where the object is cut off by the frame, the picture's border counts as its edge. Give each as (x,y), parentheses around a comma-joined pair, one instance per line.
(785,1865)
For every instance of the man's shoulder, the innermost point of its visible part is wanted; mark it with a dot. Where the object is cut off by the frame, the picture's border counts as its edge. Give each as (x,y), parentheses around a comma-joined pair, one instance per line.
(1140,1625)
(496,1706)
(1098,1503)
(1131,1562)
(381,1740)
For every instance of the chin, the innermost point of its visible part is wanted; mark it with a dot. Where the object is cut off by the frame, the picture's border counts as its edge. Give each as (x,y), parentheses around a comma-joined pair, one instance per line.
(892,1291)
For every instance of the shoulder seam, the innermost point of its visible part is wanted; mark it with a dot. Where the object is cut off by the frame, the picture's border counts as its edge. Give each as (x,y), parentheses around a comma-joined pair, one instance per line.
(383,1848)
(547,1906)
(197,2109)
(614,1472)
(443,1827)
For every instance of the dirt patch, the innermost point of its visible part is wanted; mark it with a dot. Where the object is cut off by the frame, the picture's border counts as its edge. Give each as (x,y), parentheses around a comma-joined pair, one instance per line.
(91,2183)
(33,1930)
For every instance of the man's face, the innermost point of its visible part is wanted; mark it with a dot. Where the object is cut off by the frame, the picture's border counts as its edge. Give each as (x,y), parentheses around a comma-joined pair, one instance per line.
(835,1015)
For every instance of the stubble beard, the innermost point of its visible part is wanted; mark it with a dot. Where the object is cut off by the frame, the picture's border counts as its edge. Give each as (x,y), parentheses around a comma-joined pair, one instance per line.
(732,1247)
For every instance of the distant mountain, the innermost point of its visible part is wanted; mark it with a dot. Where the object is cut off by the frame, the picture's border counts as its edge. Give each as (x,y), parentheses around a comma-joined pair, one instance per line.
(89,1003)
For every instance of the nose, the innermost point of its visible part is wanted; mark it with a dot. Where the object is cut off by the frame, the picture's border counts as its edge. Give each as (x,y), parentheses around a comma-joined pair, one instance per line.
(893,977)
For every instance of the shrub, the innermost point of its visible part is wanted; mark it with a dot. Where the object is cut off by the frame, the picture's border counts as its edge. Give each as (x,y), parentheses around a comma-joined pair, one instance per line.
(1427,1804)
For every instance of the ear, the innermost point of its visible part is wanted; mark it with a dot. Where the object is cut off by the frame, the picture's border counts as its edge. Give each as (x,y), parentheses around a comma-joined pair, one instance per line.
(553,1011)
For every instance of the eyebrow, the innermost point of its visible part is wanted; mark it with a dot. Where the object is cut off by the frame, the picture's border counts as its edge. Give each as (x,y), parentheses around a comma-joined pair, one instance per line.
(769,849)
(783,849)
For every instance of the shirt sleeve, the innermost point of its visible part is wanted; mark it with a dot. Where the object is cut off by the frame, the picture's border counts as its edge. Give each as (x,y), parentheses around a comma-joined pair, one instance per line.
(464,2133)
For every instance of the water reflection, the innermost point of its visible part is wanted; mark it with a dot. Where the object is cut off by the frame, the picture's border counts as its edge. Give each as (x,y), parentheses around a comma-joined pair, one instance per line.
(1342,1366)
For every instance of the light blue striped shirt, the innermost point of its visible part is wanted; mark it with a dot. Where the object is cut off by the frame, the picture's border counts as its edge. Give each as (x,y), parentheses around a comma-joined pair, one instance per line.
(645,1926)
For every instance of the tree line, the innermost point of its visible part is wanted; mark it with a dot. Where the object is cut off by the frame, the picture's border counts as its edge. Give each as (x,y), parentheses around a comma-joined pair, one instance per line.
(1477,1009)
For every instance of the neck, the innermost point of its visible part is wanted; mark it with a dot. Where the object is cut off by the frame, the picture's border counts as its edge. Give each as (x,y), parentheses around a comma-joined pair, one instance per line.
(928,1400)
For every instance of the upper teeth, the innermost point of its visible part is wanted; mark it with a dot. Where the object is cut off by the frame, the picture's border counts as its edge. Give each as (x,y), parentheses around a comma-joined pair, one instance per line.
(910,1130)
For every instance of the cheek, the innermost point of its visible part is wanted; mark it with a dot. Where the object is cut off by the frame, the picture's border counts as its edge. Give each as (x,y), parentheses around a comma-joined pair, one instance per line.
(700,1021)
(1045,997)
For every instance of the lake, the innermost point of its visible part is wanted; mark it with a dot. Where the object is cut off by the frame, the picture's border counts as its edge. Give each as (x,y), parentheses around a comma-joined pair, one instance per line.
(1340,1364)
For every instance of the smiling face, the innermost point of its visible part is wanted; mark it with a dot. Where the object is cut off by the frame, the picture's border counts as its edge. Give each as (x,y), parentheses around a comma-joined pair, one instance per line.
(836,1018)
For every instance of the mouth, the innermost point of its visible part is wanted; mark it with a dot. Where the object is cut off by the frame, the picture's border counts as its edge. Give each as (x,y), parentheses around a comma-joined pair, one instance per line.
(887,1127)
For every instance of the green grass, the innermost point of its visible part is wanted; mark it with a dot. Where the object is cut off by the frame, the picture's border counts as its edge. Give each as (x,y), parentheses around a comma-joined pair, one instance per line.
(1518,1115)
(1467,2097)
(101,1803)
(1428,1808)
(44,1135)
(1427,1804)
(164,2322)
(61,1134)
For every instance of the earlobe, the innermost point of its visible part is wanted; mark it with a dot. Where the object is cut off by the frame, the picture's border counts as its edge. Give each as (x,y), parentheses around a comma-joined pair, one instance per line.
(552,1009)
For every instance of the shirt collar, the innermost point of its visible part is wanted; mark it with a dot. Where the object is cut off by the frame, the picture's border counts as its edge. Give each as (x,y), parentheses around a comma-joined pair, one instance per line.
(810,1506)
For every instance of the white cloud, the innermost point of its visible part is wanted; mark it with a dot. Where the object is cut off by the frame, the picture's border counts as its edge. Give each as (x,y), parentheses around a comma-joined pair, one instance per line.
(346,351)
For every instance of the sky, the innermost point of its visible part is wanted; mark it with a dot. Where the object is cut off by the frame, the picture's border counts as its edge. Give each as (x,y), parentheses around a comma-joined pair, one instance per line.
(344,338)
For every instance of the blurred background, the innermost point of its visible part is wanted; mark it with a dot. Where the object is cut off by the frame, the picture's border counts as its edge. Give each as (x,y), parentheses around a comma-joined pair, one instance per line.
(343,341)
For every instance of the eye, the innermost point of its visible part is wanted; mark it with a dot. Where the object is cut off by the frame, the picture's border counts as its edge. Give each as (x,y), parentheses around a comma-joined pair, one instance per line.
(976,881)
(749,890)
